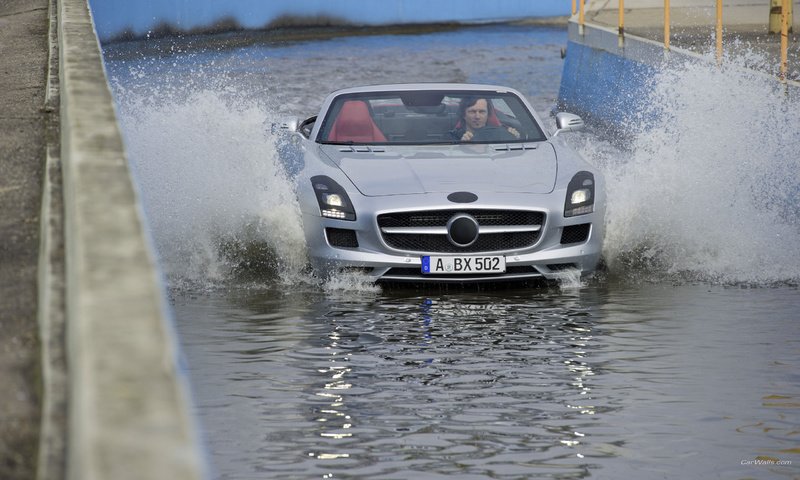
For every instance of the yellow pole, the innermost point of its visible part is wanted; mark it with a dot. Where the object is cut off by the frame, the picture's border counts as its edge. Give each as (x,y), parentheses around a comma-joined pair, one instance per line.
(776,9)
(621,36)
(666,24)
(784,38)
(719,32)
(574,8)
(580,17)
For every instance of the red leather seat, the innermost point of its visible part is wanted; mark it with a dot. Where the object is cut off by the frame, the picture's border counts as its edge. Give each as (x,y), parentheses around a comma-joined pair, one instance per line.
(355,124)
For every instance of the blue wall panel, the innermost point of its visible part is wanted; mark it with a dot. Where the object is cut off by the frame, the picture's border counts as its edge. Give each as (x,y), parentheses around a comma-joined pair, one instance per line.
(604,86)
(112,17)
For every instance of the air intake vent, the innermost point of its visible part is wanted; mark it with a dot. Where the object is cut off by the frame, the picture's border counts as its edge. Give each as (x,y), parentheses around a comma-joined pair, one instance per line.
(575,233)
(341,238)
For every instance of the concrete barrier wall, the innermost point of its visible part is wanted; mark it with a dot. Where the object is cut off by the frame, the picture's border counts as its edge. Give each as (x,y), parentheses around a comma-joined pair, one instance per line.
(128,406)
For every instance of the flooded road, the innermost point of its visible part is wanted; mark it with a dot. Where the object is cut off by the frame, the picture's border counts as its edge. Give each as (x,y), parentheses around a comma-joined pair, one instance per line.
(653,381)
(681,360)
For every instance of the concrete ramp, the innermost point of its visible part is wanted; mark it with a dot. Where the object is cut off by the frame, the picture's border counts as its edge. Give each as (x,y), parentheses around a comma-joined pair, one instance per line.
(129,414)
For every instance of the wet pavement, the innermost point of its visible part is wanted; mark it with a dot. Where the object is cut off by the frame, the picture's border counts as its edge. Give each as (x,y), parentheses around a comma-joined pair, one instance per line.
(23,68)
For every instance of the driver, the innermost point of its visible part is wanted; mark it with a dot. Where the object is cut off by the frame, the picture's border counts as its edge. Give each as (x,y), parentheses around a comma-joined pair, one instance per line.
(478,122)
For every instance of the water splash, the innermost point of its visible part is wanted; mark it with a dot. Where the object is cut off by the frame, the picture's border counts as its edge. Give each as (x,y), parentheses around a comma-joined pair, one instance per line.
(708,191)
(219,204)
(350,282)
(570,279)
(214,197)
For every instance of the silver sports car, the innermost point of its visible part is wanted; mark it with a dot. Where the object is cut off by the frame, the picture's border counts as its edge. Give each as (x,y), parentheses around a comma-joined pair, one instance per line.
(442,183)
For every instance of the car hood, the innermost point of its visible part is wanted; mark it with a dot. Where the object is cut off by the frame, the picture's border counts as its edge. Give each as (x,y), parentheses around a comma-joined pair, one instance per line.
(391,170)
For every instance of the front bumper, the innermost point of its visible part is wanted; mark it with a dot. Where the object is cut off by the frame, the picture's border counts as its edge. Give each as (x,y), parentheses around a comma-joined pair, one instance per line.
(547,259)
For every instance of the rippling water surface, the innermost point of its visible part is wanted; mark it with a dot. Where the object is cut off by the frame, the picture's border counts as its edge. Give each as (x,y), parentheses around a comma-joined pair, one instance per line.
(652,381)
(680,361)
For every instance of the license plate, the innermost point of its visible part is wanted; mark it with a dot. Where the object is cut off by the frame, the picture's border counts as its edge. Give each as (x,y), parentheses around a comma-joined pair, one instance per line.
(463,264)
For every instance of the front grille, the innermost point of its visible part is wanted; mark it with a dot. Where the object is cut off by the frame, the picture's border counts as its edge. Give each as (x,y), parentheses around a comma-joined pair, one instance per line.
(439,218)
(342,238)
(575,233)
(438,243)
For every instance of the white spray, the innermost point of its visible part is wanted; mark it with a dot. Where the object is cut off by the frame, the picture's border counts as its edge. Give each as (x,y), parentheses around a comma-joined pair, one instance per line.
(211,187)
(709,190)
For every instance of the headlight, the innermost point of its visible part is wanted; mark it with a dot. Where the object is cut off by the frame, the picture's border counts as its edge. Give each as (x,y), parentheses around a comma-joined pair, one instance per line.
(333,200)
(580,195)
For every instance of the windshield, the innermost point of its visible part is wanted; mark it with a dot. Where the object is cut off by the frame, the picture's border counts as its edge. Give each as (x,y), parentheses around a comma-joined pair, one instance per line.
(428,117)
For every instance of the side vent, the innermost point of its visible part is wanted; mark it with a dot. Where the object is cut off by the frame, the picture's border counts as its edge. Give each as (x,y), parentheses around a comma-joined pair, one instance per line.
(362,149)
(515,146)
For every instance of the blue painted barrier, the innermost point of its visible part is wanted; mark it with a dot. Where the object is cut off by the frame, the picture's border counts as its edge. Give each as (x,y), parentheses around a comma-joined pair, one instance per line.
(603,86)
(113,17)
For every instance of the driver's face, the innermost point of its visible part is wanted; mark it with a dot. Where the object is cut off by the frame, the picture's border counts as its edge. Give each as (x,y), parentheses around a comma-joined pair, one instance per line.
(476,115)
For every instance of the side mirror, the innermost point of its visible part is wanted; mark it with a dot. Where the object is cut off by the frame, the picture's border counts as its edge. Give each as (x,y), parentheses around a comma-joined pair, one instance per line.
(289,145)
(568,122)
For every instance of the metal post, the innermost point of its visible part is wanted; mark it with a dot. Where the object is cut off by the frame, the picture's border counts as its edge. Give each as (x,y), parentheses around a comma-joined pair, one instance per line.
(719,32)
(784,38)
(776,10)
(580,17)
(666,24)
(621,23)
